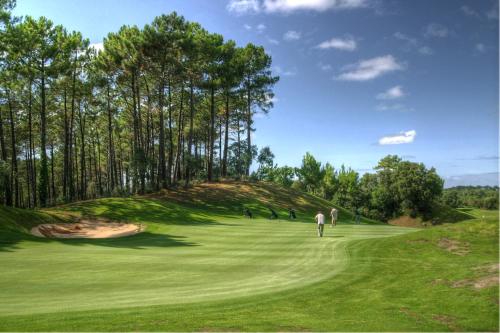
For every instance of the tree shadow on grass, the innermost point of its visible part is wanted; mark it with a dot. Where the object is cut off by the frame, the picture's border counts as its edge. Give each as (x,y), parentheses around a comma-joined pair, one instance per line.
(143,210)
(140,241)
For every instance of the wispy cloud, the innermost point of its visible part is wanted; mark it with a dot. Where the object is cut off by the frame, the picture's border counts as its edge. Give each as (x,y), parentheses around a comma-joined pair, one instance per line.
(325,67)
(284,72)
(492,14)
(479,158)
(401,138)
(287,6)
(425,50)
(469,11)
(436,30)
(292,35)
(243,6)
(344,44)
(272,40)
(392,93)
(399,107)
(406,38)
(480,47)
(247,27)
(370,69)
(261,28)
(412,43)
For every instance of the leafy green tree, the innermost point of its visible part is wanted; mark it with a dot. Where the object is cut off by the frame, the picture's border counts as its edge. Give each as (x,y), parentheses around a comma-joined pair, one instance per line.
(283,176)
(329,183)
(310,173)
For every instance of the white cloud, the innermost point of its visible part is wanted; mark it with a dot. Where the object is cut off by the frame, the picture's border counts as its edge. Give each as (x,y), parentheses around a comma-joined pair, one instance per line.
(392,93)
(243,6)
(292,35)
(403,137)
(425,50)
(370,69)
(436,30)
(287,6)
(282,72)
(406,38)
(346,44)
(325,67)
(480,47)
(97,46)
(272,41)
(469,11)
(260,28)
(247,27)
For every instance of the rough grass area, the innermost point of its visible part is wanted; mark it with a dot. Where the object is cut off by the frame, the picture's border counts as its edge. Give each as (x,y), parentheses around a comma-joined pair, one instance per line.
(200,266)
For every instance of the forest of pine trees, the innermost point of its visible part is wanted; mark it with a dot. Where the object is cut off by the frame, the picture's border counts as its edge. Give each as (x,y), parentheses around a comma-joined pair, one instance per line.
(156,107)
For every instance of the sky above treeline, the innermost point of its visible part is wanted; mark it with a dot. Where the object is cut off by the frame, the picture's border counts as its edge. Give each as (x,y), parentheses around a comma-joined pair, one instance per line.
(360,79)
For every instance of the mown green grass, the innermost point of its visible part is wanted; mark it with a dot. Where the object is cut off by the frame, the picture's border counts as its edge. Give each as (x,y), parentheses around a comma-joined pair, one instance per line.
(201,266)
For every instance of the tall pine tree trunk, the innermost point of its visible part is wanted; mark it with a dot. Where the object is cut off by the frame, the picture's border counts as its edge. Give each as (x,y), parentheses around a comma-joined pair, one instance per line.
(44,169)
(249,134)
(211,136)
(13,172)
(162,171)
(226,137)
(6,178)
(190,139)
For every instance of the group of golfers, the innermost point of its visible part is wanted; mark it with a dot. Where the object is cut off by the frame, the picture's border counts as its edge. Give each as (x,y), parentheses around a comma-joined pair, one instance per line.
(319,218)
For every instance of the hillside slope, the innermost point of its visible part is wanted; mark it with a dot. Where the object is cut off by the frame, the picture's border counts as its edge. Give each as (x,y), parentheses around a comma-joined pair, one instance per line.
(199,203)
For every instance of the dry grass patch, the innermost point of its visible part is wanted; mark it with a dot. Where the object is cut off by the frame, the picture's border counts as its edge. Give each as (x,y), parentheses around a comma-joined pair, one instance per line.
(454,246)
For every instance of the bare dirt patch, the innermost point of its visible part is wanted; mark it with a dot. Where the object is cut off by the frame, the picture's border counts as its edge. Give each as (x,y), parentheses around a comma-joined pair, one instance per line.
(454,246)
(485,281)
(87,229)
(406,221)
(448,321)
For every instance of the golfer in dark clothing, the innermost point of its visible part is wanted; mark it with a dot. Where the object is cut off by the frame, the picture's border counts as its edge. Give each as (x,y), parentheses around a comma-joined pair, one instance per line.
(357,216)
(248,213)
(273,214)
(291,214)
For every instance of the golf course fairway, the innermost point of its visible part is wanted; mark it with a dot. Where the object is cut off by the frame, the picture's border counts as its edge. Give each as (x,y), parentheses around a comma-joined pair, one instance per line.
(200,266)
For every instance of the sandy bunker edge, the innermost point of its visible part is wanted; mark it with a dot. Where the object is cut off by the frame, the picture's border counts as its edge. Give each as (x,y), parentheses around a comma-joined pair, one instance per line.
(87,228)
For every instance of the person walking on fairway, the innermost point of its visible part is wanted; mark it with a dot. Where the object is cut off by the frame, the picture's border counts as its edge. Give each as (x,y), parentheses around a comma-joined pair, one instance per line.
(320,219)
(334,214)
(357,216)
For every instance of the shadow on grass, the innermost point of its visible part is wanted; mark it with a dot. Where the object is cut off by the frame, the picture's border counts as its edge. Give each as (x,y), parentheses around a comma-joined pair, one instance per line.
(143,210)
(143,240)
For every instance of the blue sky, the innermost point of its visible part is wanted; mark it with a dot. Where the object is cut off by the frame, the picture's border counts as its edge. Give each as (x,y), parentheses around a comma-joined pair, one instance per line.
(360,79)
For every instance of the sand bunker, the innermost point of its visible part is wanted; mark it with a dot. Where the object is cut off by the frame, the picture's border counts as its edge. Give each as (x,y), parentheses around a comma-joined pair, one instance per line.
(86,229)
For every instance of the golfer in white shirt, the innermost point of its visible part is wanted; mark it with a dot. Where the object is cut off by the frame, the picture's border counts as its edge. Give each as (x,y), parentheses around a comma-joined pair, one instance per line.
(320,219)
(334,214)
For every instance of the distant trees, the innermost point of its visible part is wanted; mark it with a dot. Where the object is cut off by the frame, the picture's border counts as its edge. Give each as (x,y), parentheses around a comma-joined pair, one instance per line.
(485,197)
(158,106)
(397,187)
(400,187)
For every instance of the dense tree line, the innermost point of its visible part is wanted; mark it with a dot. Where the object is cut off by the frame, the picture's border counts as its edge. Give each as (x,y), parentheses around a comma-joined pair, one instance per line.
(396,188)
(156,107)
(485,197)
